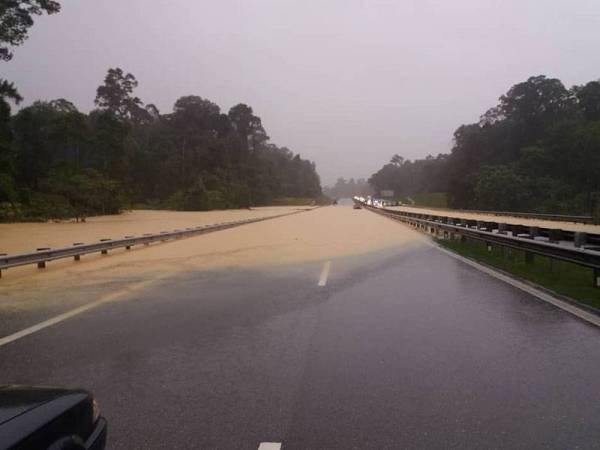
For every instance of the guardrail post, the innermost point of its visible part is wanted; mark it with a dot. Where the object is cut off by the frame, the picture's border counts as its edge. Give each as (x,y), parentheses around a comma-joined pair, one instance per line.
(104,251)
(501,228)
(77,257)
(42,264)
(2,254)
(533,232)
(579,239)
(597,278)
(128,247)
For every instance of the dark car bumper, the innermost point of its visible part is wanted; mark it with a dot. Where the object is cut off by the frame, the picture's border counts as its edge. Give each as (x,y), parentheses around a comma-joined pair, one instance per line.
(97,439)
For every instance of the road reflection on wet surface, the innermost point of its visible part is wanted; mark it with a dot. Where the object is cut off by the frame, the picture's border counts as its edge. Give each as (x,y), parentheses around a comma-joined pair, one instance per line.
(401,349)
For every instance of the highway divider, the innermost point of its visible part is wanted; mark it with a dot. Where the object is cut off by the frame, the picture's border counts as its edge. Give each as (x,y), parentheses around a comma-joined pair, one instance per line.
(43,255)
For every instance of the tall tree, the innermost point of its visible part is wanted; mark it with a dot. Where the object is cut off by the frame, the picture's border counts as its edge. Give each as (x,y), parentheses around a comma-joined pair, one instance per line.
(397,160)
(116,96)
(588,97)
(248,127)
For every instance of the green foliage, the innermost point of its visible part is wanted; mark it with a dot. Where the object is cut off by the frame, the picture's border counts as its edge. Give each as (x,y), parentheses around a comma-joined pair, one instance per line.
(431,199)
(16,17)
(8,91)
(502,187)
(8,188)
(538,149)
(87,192)
(42,206)
(56,162)
(408,178)
(10,212)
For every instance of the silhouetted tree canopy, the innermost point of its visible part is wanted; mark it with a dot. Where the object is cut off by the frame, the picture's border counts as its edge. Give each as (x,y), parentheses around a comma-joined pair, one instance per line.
(538,149)
(57,162)
(16,17)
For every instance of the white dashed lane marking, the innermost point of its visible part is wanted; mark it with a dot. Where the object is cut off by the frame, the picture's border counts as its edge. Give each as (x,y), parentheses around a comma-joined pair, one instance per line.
(269,446)
(325,273)
(111,297)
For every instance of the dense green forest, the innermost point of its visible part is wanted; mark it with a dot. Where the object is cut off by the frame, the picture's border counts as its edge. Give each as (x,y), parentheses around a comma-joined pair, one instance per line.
(58,162)
(538,150)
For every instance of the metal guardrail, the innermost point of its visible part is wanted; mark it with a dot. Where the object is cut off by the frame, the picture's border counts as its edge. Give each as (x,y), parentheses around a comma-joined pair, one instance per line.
(43,255)
(571,247)
(588,220)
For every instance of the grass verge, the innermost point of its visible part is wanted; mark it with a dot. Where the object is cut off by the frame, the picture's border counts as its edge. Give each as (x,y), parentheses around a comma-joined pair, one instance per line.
(431,199)
(571,280)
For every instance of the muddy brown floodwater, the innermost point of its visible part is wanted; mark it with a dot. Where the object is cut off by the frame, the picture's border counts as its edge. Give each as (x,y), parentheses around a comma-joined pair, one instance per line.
(316,235)
(25,237)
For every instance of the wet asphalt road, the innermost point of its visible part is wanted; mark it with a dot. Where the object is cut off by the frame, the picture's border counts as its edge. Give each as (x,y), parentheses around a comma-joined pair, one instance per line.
(401,349)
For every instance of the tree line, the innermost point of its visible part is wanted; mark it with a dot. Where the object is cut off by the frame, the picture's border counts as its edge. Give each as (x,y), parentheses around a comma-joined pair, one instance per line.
(537,150)
(59,162)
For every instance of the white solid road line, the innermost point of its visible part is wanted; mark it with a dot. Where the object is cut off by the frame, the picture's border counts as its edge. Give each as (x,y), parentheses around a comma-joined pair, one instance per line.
(269,446)
(62,317)
(565,306)
(325,273)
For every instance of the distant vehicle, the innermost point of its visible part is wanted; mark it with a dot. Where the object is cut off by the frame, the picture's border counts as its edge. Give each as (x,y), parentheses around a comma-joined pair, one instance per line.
(50,418)
(357,206)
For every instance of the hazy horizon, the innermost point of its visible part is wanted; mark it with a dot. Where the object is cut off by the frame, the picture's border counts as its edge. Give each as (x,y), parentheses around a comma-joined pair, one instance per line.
(345,83)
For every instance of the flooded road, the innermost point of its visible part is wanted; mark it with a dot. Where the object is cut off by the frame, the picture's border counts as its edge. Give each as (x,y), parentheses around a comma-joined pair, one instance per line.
(398,346)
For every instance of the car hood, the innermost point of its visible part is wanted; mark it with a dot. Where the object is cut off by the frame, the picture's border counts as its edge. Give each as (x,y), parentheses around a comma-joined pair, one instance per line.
(16,400)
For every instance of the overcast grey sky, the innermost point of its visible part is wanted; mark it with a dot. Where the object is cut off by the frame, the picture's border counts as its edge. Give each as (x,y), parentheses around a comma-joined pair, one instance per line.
(346,83)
